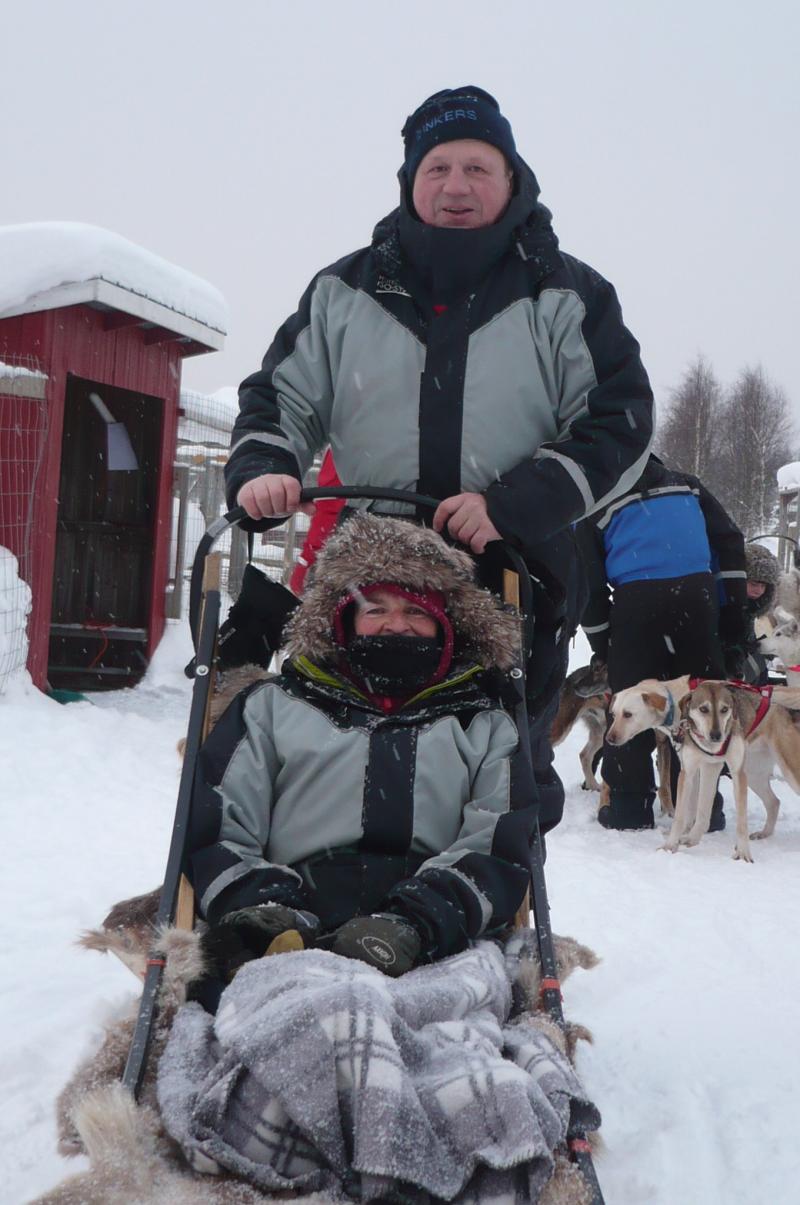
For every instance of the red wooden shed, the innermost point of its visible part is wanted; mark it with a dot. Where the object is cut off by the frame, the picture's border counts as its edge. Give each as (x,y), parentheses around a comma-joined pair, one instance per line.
(107,325)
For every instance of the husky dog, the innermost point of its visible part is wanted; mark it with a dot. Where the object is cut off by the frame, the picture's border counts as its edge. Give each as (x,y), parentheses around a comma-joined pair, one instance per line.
(713,735)
(584,696)
(770,737)
(787,595)
(783,642)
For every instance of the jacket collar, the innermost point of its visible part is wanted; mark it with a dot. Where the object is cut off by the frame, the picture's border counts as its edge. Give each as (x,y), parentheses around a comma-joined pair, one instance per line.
(460,686)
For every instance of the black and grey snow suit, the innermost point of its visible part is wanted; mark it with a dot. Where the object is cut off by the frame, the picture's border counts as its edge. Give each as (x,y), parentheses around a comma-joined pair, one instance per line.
(443,361)
(308,794)
(675,561)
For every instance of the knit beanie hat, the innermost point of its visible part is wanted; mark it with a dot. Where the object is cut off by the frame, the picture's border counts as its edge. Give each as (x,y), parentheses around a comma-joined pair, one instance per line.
(455,113)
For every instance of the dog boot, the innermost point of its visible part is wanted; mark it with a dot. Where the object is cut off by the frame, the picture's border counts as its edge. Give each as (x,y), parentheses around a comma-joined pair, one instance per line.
(717,822)
(628,810)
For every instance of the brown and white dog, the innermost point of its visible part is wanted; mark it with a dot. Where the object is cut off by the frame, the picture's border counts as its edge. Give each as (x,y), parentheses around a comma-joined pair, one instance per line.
(711,723)
(585,696)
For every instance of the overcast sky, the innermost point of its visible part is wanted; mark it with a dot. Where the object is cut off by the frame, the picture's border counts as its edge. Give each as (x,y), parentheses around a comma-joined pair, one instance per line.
(253,142)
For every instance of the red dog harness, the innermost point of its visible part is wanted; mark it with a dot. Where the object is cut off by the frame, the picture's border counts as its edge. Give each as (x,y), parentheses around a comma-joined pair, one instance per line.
(763,707)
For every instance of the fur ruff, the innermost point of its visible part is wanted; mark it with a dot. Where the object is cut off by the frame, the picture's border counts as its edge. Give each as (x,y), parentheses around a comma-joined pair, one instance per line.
(368,549)
(133,1160)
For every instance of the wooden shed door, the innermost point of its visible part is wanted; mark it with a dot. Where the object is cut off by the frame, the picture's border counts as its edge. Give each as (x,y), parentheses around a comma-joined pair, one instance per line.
(104,543)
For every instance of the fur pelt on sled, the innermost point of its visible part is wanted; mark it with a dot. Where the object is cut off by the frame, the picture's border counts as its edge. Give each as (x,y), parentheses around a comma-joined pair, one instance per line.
(132,1159)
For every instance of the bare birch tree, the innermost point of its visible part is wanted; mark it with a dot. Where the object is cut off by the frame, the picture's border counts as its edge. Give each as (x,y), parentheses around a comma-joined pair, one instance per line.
(755,439)
(687,435)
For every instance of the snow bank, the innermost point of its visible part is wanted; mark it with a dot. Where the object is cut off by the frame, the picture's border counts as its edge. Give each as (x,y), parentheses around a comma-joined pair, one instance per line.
(38,256)
(15,605)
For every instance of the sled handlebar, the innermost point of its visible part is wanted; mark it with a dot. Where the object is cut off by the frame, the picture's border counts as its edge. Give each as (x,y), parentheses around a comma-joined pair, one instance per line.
(360,492)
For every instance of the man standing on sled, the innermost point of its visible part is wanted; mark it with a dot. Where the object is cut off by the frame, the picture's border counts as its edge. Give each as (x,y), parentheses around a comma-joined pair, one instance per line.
(464,356)
(363,798)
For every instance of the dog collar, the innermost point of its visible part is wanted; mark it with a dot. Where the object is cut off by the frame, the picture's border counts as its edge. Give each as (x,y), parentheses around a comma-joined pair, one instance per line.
(669,718)
(723,749)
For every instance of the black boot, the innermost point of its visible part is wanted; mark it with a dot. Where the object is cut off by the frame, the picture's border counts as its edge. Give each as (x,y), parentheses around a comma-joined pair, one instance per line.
(717,822)
(628,810)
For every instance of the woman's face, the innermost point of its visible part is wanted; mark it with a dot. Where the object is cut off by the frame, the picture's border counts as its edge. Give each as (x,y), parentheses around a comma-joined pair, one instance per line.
(387,614)
(756,589)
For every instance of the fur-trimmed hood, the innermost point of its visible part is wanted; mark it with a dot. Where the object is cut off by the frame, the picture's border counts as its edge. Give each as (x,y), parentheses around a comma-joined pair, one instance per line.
(762,566)
(368,549)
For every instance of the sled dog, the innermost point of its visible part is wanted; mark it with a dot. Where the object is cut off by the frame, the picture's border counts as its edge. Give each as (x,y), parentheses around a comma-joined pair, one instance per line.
(783,643)
(774,739)
(787,593)
(585,696)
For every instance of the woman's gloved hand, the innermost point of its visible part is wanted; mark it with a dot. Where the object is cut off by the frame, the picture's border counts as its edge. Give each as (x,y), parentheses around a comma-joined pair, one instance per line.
(247,933)
(382,940)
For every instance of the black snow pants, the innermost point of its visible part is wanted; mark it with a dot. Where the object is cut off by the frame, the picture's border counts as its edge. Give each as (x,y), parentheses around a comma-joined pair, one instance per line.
(658,629)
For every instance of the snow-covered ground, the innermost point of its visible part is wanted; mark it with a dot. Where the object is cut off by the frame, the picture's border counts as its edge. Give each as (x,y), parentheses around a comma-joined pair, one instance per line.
(694,1007)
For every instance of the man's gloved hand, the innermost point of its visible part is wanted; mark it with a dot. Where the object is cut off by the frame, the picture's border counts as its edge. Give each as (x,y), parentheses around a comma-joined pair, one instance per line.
(246,933)
(382,940)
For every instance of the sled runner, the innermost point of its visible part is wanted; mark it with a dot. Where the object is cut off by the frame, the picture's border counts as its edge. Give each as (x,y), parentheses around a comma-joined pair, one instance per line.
(537,945)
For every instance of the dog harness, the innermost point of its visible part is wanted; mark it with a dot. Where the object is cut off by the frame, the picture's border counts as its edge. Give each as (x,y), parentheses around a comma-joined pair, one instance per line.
(763,707)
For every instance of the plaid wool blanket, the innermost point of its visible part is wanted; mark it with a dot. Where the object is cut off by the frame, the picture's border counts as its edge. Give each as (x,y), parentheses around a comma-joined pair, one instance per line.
(321,1074)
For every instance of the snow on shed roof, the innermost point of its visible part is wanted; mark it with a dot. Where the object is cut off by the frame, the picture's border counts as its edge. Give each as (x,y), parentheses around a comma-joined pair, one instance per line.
(789,477)
(38,259)
(20,381)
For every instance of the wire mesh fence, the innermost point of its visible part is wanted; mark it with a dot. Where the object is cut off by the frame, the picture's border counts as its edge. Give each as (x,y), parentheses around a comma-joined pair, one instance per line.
(23,440)
(204,429)
(788,527)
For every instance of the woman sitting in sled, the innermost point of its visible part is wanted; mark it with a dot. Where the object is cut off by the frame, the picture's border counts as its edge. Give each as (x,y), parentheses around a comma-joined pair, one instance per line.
(362,799)
(362,810)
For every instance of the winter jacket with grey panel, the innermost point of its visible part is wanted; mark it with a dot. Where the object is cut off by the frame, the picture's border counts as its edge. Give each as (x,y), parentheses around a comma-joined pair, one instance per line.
(446,360)
(309,795)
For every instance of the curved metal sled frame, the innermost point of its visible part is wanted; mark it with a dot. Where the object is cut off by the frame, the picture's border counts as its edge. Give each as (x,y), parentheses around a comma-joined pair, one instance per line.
(204,608)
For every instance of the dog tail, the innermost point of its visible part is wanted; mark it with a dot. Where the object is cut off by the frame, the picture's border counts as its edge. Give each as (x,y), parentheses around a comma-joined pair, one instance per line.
(787,696)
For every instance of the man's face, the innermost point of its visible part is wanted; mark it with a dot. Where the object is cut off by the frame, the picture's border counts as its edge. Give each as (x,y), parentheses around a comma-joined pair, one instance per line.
(463,184)
(756,589)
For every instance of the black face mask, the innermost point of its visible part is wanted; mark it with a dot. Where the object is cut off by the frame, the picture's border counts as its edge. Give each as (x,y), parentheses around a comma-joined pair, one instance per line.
(394,665)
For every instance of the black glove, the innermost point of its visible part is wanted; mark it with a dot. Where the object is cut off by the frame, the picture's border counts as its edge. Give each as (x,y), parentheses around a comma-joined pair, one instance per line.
(254,628)
(246,933)
(382,940)
(734,658)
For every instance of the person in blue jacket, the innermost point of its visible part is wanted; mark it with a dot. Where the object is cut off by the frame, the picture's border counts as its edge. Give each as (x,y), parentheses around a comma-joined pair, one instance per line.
(667,596)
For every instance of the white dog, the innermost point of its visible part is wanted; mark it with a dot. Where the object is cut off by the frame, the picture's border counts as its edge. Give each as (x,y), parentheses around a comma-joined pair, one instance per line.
(787,593)
(783,642)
